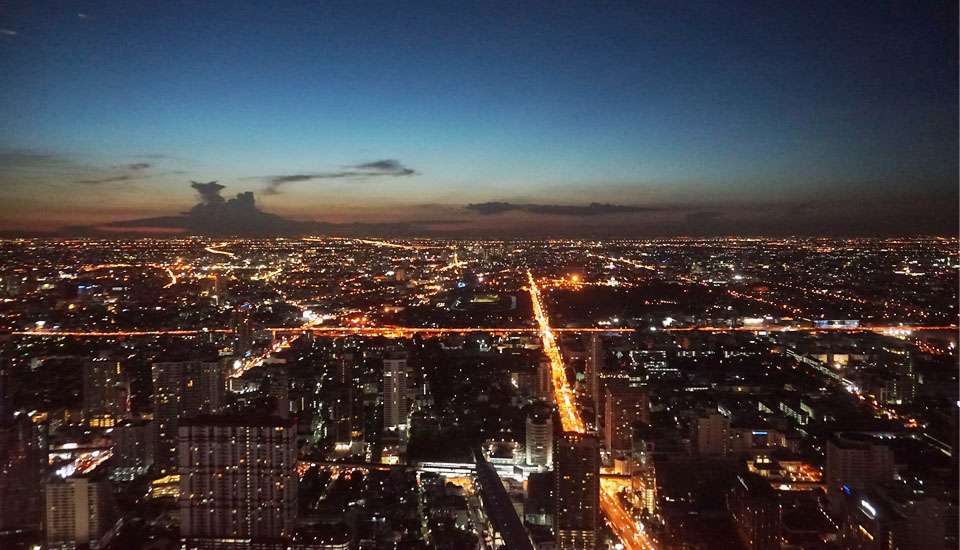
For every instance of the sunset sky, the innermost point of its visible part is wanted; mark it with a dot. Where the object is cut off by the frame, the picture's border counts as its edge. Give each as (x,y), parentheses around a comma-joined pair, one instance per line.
(713,118)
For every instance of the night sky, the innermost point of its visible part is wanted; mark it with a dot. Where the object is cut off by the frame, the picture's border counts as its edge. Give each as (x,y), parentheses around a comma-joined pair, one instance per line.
(485,119)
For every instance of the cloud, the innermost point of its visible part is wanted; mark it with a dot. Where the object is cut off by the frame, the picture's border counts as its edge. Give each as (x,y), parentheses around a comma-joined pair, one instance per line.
(8,32)
(592,209)
(209,191)
(138,166)
(111,179)
(379,168)
(387,167)
(240,216)
(31,159)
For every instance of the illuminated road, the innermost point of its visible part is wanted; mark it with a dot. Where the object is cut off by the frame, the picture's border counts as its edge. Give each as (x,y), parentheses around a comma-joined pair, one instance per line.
(387,244)
(173,279)
(213,250)
(114,334)
(626,529)
(629,532)
(566,402)
(405,332)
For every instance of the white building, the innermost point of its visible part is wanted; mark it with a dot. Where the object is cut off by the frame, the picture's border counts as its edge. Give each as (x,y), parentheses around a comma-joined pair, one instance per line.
(539,440)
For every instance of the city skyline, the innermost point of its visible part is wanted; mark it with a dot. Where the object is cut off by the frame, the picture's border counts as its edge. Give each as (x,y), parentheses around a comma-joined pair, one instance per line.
(482,120)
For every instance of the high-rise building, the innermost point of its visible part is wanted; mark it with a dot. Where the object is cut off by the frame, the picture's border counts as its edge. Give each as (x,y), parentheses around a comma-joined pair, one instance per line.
(238,478)
(755,507)
(643,473)
(543,381)
(594,368)
(856,463)
(80,510)
(711,435)
(394,391)
(347,411)
(106,393)
(133,448)
(539,439)
(625,406)
(576,459)
(242,326)
(23,456)
(183,390)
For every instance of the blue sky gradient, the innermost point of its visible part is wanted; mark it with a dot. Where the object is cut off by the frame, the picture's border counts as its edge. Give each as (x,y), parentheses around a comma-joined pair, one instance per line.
(749,111)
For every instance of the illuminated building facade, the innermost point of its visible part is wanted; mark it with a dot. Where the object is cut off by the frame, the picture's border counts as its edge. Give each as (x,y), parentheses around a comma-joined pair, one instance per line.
(577,512)
(237,477)
(856,464)
(133,448)
(539,439)
(625,405)
(711,435)
(106,393)
(594,368)
(183,390)
(80,510)
(347,410)
(394,392)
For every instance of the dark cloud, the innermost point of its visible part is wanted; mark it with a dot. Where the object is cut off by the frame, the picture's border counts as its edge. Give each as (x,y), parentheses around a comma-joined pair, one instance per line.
(31,159)
(380,168)
(215,216)
(209,192)
(111,179)
(592,209)
(138,166)
(387,167)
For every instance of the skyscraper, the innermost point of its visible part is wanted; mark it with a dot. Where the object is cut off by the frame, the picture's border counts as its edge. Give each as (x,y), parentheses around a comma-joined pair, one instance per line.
(643,473)
(80,510)
(576,516)
(183,390)
(347,412)
(394,391)
(242,326)
(133,448)
(594,368)
(106,393)
(543,381)
(238,479)
(22,458)
(539,439)
(625,405)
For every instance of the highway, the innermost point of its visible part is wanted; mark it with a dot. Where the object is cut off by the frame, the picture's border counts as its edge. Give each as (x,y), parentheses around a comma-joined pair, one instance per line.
(213,250)
(628,530)
(406,332)
(566,401)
